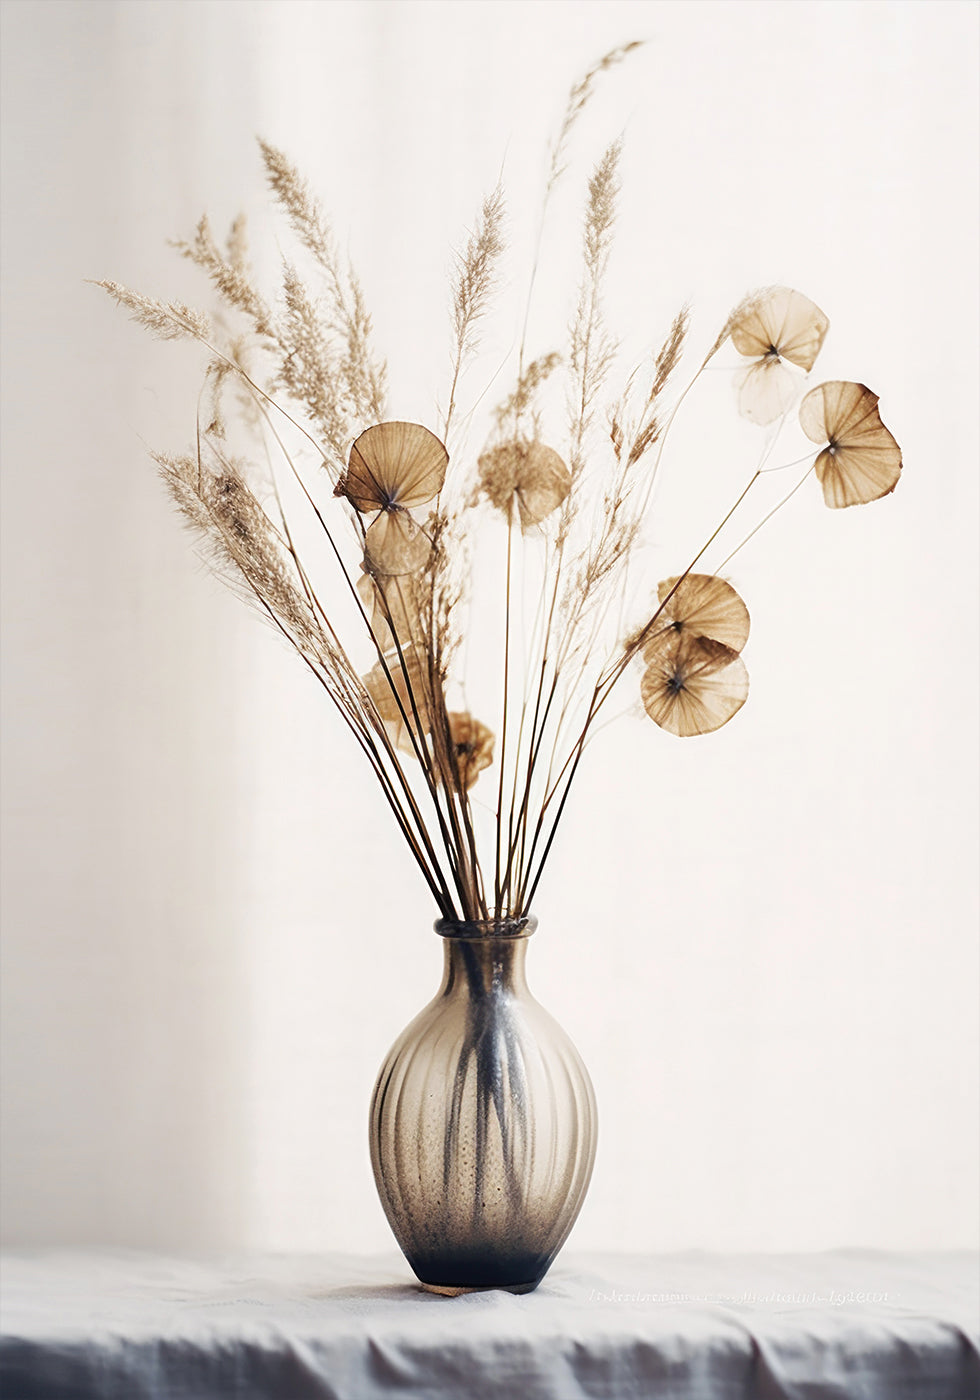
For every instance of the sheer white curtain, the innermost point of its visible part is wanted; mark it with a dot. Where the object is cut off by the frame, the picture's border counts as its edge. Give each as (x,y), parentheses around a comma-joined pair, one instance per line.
(762,941)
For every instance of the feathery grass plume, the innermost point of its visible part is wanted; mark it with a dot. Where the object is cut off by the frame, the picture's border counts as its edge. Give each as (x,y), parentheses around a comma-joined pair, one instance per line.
(236,245)
(183,478)
(364,375)
(169,320)
(592,350)
(309,371)
(242,544)
(229,366)
(473,283)
(248,553)
(635,441)
(443,584)
(623,505)
(305,214)
(231,280)
(479,801)
(509,414)
(578,99)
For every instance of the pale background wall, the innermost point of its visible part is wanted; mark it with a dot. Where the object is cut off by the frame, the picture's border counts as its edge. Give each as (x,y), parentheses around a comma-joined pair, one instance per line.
(763,942)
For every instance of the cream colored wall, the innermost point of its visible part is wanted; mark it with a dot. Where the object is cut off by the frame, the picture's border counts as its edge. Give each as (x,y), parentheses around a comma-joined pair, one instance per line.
(763,942)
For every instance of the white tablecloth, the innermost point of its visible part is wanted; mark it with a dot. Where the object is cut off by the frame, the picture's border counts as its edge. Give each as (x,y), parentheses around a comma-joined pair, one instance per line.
(127,1326)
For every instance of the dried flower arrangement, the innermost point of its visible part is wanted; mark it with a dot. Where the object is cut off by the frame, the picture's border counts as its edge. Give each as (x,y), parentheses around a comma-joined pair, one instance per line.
(396,522)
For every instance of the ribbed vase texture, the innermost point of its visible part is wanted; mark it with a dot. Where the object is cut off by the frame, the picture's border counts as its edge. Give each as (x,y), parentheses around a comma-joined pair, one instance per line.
(483,1122)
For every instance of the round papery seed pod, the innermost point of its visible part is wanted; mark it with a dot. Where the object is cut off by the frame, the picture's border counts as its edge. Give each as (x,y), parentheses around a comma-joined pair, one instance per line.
(783,323)
(392,607)
(395,544)
(699,605)
(862,461)
(528,476)
(394,464)
(775,329)
(694,687)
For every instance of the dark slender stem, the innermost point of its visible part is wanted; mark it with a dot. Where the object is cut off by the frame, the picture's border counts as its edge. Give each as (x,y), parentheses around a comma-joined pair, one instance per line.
(497,883)
(525,901)
(410,796)
(537,735)
(440,896)
(604,687)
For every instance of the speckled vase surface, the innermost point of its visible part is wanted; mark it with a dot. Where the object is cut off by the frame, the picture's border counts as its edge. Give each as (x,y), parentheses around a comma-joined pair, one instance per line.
(483,1122)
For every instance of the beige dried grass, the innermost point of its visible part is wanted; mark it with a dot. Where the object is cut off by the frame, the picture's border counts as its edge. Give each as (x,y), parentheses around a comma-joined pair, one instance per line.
(571,498)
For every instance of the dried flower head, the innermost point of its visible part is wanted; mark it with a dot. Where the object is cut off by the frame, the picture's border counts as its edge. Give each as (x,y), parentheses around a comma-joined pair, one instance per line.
(472,746)
(777,329)
(862,461)
(698,605)
(392,465)
(526,475)
(694,686)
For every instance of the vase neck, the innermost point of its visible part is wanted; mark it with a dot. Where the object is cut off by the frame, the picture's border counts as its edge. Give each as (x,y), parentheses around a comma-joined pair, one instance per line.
(486,958)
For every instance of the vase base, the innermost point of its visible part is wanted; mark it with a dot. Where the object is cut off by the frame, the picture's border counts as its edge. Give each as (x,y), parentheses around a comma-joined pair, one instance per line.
(446,1290)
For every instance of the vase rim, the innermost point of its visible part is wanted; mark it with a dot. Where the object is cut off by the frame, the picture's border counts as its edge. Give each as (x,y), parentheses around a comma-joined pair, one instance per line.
(486,928)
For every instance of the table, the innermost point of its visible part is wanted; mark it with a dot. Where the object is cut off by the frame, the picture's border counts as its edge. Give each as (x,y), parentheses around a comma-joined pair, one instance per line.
(128,1326)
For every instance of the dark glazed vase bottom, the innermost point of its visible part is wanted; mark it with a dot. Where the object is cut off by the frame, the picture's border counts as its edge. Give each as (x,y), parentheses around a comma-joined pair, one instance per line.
(446,1291)
(478,1271)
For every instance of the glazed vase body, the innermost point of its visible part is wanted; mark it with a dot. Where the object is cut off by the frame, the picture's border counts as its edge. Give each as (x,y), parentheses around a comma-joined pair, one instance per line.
(483,1122)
